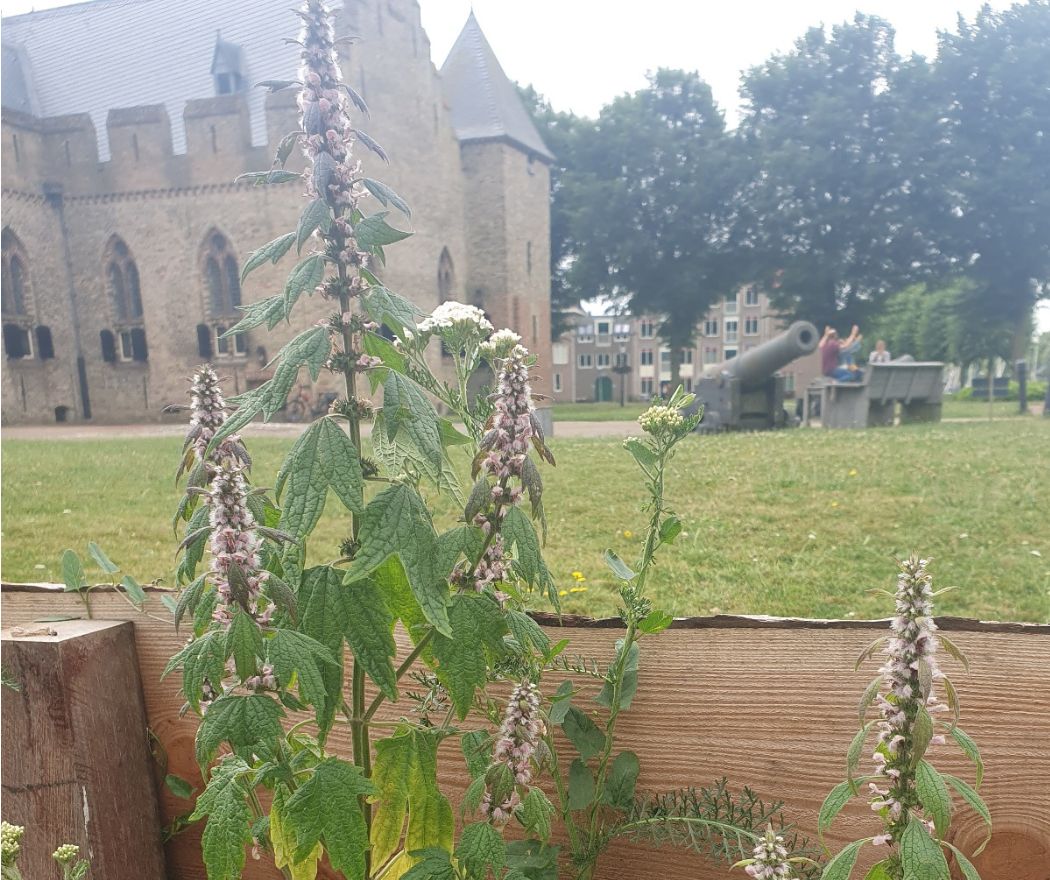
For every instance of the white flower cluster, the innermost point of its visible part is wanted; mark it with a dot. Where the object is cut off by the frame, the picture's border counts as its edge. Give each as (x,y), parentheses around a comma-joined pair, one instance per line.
(770,858)
(10,842)
(500,344)
(661,420)
(453,315)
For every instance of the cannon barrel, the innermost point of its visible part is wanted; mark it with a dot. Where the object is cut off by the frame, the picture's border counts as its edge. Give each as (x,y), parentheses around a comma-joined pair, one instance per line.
(763,361)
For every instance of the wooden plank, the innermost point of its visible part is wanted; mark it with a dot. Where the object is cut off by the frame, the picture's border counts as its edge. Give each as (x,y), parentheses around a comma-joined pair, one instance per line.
(76,766)
(767,703)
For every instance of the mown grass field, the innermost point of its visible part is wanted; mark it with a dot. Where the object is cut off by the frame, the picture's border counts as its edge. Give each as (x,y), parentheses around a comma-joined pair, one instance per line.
(790,523)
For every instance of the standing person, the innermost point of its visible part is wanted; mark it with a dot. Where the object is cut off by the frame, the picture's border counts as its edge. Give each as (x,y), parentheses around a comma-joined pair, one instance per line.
(879,355)
(830,349)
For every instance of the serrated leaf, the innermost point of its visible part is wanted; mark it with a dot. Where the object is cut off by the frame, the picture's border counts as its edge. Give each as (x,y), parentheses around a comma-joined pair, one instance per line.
(243,643)
(951,698)
(925,676)
(854,750)
(972,752)
(243,721)
(283,596)
(322,613)
(536,812)
(269,311)
(976,803)
(583,733)
(326,808)
(72,572)
(670,529)
(264,178)
(870,693)
(618,566)
(101,559)
(310,349)
(397,523)
(377,346)
(305,276)
(969,872)
(934,796)
(369,628)
(343,465)
(527,632)
(880,871)
(837,798)
(620,783)
(519,535)
(629,685)
(406,408)
(316,215)
(655,621)
(480,847)
(386,196)
(374,231)
(841,866)
(228,830)
(641,452)
(297,657)
(357,100)
(302,483)
(134,590)
(203,659)
(921,856)
(434,864)
(922,733)
(476,746)
(477,629)
(282,838)
(270,252)
(581,785)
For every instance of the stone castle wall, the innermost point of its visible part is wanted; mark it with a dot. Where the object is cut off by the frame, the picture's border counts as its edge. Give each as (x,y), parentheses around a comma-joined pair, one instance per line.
(65,207)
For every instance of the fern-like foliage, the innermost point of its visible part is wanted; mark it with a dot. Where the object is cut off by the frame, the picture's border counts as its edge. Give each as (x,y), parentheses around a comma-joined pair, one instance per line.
(715,822)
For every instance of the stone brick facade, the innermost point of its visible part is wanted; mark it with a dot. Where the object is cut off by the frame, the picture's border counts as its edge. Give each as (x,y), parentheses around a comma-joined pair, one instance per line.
(480,212)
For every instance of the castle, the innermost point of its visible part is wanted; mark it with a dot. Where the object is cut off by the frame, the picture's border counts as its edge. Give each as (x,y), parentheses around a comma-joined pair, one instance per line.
(123,129)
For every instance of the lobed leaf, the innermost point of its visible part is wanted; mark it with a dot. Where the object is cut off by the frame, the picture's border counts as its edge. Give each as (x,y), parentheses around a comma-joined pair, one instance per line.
(245,722)
(477,629)
(481,847)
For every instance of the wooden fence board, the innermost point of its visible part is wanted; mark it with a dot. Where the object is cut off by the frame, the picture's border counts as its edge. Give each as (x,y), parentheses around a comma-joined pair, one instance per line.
(766,703)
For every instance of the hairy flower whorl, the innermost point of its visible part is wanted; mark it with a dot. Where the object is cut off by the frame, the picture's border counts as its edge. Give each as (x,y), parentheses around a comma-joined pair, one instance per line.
(208,413)
(519,732)
(770,858)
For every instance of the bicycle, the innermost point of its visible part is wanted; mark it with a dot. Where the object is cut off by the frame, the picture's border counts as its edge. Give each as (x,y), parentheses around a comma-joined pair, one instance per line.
(303,406)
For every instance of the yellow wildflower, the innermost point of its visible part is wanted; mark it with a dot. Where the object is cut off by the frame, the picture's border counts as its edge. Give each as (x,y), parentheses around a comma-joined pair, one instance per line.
(627,533)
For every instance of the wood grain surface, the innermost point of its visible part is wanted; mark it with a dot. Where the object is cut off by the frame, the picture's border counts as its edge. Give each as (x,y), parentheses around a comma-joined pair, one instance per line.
(76,766)
(767,703)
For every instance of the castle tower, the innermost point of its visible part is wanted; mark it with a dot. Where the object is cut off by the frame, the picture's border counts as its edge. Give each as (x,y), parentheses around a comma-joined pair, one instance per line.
(506,178)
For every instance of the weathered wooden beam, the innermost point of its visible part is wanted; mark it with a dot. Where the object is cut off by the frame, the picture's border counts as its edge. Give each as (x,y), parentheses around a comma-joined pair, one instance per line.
(76,764)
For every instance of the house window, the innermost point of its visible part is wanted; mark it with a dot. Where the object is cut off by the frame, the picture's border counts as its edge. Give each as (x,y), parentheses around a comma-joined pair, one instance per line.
(647,387)
(711,328)
(729,354)
(122,280)
(647,330)
(228,346)
(603,328)
(665,357)
(731,305)
(586,361)
(222,278)
(710,355)
(688,384)
(603,360)
(557,381)
(751,296)
(751,326)
(789,383)
(621,332)
(560,353)
(687,355)
(18,336)
(731,330)
(585,333)
(646,357)
(621,359)
(446,276)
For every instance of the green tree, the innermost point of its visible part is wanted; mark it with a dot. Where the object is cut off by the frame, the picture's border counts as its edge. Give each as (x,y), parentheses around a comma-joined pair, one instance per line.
(991,82)
(827,217)
(647,202)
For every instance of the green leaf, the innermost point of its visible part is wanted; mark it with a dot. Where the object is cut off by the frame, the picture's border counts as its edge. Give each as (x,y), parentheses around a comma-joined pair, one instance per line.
(560,702)
(922,733)
(296,656)
(243,643)
(321,616)
(269,311)
(343,463)
(228,830)
(870,693)
(326,807)
(975,801)
(583,733)
(536,812)
(302,483)
(477,628)
(243,721)
(921,856)
(670,529)
(869,651)
(972,752)
(305,276)
(377,346)
(397,523)
(263,178)
(310,348)
(406,408)
(270,252)
(203,659)
(178,786)
(374,231)
(952,649)
(477,752)
(629,685)
(623,775)
(880,871)
(618,566)
(854,750)
(385,307)
(581,785)
(837,798)
(840,867)
(386,195)
(480,847)
(519,534)
(969,872)
(282,837)
(641,451)
(316,215)
(434,864)
(527,632)
(934,796)
(655,621)
(133,589)
(101,559)
(72,572)
(369,630)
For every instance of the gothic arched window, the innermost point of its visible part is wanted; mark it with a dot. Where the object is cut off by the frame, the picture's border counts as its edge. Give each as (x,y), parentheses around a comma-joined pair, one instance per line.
(127,341)
(16,297)
(222,278)
(446,277)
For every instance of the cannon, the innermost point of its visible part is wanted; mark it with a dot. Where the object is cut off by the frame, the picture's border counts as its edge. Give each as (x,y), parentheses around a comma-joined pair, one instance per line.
(746,393)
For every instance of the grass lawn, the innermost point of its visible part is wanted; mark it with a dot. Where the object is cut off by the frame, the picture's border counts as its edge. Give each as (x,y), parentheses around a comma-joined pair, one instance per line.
(598,412)
(800,522)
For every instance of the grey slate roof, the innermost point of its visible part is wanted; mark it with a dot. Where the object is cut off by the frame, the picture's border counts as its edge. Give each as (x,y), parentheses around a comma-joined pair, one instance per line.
(485,104)
(108,54)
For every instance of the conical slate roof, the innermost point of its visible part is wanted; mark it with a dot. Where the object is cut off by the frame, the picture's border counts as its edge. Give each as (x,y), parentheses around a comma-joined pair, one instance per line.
(485,104)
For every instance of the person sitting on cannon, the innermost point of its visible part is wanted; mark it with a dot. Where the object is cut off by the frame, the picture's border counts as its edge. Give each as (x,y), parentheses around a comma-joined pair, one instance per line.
(880,354)
(836,356)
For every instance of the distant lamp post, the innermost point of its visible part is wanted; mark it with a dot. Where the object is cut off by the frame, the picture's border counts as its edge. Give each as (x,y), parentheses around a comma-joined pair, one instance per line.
(622,368)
